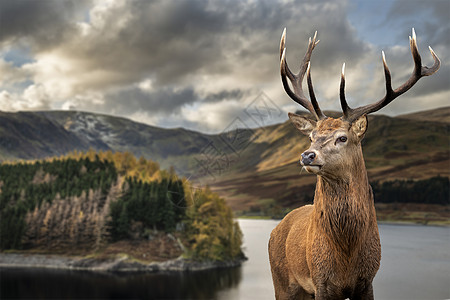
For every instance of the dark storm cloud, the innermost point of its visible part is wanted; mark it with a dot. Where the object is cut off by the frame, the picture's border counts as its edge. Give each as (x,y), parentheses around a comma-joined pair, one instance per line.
(164,100)
(225,95)
(170,39)
(46,22)
(431,16)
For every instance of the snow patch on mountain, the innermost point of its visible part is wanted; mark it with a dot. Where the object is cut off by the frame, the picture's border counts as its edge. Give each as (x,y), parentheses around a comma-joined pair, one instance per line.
(92,127)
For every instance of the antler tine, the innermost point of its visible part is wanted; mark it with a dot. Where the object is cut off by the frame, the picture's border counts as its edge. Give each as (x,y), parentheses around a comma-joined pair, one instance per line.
(418,72)
(311,92)
(296,79)
(344,105)
(283,42)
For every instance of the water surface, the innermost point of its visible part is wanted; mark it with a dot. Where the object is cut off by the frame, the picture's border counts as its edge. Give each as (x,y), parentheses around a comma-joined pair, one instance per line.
(415,265)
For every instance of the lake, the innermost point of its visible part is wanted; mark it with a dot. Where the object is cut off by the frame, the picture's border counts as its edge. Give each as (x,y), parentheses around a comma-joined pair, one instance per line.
(415,265)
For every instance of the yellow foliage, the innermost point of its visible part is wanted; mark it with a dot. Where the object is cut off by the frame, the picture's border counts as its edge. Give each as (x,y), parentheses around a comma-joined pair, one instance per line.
(211,228)
(125,163)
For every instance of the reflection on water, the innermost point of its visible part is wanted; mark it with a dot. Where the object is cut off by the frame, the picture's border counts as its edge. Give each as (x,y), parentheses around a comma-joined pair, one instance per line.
(57,284)
(256,277)
(415,264)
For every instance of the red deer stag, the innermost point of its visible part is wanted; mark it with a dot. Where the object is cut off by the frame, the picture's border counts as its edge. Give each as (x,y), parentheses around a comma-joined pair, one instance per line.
(331,250)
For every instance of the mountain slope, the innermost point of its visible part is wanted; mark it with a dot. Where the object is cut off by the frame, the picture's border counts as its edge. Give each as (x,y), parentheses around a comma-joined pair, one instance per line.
(122,134)
(27,135)
(441,114)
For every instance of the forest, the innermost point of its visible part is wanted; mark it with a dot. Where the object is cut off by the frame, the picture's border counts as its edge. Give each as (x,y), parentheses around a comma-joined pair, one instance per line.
(434,190)
(86,201)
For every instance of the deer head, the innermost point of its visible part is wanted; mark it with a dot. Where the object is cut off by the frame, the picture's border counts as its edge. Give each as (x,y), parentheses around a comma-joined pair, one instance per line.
(336,143)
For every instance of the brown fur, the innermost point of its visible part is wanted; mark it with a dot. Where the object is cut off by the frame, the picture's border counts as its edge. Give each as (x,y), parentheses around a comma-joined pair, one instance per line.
(330,250)
(329,125)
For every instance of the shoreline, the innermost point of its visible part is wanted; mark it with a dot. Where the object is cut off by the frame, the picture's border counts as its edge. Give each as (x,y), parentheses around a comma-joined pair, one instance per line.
(406,223)
(122,264)
(384,222)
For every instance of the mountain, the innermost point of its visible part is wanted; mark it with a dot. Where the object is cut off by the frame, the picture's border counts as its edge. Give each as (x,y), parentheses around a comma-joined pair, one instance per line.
(251,168)
(31,135)
(28,135)
(434,115)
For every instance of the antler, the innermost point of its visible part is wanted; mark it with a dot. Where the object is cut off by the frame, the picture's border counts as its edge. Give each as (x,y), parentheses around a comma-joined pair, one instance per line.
(419,72)
(296,79)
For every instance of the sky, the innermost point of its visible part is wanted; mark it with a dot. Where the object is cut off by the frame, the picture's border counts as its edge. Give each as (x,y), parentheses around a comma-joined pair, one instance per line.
(206,65)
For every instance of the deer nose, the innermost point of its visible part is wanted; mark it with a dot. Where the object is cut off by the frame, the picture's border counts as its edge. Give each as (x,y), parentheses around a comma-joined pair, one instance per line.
(308,157)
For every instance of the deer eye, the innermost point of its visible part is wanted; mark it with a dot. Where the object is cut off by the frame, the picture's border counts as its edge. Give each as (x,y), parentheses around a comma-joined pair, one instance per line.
(341,139)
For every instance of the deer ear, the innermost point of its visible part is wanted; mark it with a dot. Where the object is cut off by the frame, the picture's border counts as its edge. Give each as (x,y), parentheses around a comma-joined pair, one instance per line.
(359,127)
(301,123)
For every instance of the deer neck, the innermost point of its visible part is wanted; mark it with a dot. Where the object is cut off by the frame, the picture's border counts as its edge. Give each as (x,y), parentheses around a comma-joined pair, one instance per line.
(344,206)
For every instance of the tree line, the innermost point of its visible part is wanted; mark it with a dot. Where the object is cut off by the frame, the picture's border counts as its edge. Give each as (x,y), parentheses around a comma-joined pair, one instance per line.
(87,200)
(434,190)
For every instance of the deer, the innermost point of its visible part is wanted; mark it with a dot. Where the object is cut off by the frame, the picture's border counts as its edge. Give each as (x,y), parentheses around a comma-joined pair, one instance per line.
(332,249)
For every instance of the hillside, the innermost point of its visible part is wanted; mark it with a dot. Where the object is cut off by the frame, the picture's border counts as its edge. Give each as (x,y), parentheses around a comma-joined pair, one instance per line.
(28,135)
(252,168)
(434,115)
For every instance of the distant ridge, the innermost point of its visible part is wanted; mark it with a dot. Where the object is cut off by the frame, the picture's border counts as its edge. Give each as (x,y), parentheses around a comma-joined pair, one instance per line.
(29,135)
(441,114)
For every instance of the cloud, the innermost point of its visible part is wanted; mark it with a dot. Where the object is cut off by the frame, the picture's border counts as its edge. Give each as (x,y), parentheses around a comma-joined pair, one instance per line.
(34,97)
(44,23)
(225,95)
(9,74)
(429,16)
(194,63)
(166,100)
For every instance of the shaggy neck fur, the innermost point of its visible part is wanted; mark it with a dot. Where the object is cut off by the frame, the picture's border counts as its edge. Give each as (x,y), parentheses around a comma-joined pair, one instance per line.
(343,206)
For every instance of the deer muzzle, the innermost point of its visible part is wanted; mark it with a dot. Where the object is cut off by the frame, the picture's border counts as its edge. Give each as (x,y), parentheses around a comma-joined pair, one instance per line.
(308,157)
